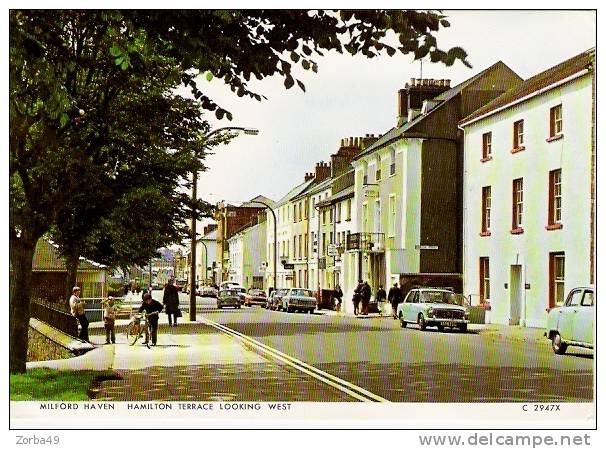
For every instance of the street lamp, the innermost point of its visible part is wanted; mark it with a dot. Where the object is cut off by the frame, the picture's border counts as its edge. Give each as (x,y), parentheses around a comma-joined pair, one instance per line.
(267,206)
(194,194)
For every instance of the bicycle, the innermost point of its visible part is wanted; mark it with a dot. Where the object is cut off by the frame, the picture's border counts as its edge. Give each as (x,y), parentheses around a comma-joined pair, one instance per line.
(137,327)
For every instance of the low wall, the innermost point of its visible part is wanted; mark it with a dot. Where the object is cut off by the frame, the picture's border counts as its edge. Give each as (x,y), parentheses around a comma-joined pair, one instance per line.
(48,343)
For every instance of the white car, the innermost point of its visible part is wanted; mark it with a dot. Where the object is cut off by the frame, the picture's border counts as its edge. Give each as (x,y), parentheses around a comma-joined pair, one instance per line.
(438,307)
(573,323)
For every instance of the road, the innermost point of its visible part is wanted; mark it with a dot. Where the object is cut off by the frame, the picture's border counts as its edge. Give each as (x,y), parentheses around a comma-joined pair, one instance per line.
(408,365)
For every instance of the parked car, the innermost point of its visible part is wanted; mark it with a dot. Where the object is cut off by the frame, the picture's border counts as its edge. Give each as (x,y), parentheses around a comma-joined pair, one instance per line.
(229,298)
(255,296)
(573,323)
(209,291)
(299,299)
(274,301)
(437,307)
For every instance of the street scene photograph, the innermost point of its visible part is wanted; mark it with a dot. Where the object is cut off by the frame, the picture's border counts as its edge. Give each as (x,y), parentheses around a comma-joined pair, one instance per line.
(302,219)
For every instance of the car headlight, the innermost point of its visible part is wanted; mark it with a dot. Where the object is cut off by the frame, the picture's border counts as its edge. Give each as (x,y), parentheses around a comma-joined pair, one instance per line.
(466,315)
(430,312)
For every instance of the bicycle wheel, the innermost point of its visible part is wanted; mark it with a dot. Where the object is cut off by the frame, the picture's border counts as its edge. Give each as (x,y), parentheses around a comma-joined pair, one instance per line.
(133,332)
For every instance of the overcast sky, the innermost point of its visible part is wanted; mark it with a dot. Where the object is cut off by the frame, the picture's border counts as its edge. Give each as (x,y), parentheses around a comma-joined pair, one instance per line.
(353,96)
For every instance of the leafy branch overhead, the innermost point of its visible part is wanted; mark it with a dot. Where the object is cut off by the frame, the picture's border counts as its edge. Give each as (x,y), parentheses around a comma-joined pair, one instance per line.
(238,45)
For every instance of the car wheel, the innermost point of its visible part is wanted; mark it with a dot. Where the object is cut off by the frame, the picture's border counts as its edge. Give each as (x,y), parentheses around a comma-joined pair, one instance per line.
(218,307)
(421,322)
(463,327)
(402,322)
(558,346)
(311,311)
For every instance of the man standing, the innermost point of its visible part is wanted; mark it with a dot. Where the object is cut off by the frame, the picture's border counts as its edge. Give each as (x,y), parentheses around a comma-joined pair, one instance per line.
(338,298)
(357,297)
(152,308)
(171,302)
(395,298)
(366,294)
(77,307)
(381,298)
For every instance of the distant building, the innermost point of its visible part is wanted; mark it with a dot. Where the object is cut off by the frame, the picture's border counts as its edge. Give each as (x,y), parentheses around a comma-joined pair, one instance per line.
(206,253)
(247,254)
(229,220)
(529,194)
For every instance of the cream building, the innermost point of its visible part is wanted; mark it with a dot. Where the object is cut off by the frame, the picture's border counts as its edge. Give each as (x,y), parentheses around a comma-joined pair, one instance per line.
(529,193)
(247,254)
(408,185)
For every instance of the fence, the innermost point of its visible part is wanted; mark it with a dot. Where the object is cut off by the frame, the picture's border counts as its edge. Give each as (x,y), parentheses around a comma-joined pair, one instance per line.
(52,315)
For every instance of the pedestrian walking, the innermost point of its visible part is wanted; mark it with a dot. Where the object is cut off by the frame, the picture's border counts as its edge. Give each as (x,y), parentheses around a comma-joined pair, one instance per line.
(357,297)
(338,298)
(381,300)
(152,308)
(394,298)
(77,308)
(366,294)
(171,302)
(110,310)
(126,290)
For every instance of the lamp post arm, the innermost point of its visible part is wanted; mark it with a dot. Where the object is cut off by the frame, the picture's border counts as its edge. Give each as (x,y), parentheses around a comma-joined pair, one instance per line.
(267,206)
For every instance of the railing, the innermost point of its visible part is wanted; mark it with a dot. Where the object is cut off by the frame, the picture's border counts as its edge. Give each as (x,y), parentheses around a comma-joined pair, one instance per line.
(53,316)
(366,241)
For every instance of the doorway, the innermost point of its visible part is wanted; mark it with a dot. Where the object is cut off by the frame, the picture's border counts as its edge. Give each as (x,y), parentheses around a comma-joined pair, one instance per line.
(515,295)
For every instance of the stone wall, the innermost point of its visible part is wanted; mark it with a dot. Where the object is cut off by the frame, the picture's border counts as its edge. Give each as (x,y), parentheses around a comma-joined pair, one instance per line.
(40,347)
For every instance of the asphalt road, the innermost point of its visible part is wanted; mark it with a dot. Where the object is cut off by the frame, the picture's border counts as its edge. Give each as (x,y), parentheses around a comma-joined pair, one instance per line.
(400,365)
(408,365)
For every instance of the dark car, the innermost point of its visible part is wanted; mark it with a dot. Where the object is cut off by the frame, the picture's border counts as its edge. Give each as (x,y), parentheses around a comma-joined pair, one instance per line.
(229,298)
(255,296)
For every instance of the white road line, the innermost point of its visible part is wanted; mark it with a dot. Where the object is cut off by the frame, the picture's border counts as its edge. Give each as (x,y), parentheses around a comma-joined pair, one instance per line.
(334,381)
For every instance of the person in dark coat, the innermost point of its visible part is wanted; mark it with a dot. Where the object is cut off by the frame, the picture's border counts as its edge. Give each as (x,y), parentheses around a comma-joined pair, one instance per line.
(381,298)
(366,294)
(394,298)
(171,302)
(357,297)
(338,298)
(152,308)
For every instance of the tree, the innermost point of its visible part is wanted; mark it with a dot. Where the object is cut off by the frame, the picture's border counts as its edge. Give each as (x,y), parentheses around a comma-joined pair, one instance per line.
(94,117)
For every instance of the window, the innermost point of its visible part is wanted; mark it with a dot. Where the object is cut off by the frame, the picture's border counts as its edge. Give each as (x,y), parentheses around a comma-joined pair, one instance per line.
(392,215)
(574,298)
(324,216)
(300,249)
(365,173)
(294,247)
(587,299)
(518,205)
(313,208)
(306,208)
(484,280)
(486,204)
(323,243)
(556,279)
(306,251)
(555,199)
(348,210)
(555,121)
(338,219)
(518,135)
(486,146)
(392,162)
(365,217)
(330,215)
(378,168)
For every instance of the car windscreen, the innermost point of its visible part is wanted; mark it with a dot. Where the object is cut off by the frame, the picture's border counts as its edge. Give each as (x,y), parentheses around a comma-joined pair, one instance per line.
(301,292)
(443,297)
(228,292)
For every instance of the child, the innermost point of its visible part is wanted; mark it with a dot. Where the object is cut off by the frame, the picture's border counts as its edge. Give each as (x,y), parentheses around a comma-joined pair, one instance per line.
(109,317)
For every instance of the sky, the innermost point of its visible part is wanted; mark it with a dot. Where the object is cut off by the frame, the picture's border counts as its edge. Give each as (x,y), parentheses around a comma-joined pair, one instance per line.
(354,96)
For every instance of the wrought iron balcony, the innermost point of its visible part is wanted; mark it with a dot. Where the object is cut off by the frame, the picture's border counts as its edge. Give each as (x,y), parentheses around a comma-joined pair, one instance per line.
(366,242)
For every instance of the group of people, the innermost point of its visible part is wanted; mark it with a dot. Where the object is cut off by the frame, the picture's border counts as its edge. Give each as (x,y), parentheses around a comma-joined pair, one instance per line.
(151,307)
(363,293)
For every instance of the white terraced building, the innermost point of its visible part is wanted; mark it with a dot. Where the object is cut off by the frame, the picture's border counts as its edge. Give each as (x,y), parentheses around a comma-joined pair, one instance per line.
(529,194)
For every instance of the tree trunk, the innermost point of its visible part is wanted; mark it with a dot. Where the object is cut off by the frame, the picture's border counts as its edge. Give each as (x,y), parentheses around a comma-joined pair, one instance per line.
(21,256)
(71,264)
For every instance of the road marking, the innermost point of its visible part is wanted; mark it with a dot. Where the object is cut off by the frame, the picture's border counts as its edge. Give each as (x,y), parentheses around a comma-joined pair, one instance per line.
(334,381)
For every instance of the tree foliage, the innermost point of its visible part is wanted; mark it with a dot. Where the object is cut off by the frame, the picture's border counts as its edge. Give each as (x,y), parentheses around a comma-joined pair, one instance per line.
(100,141)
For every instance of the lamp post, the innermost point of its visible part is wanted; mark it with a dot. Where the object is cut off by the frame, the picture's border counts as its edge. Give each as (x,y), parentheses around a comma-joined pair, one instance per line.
(267,206)
(205,258)
(194,194)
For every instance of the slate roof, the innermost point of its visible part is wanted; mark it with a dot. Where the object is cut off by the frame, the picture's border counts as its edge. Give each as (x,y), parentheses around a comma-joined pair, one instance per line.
(443,98)
(540,81)
(293,193)
(47,258)
(343,194)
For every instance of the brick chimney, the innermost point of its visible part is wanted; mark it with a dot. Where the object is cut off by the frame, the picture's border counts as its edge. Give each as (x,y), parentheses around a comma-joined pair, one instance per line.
(309,176)
(415,93)
(322,171)
(210,228)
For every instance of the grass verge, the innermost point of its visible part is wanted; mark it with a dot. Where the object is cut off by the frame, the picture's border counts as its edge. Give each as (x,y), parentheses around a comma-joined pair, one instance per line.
(43,384)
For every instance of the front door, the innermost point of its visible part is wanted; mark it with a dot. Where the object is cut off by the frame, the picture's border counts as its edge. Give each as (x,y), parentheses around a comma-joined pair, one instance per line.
(515,295)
